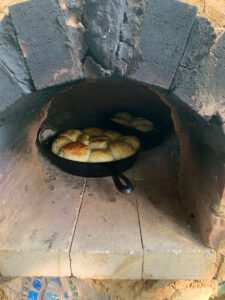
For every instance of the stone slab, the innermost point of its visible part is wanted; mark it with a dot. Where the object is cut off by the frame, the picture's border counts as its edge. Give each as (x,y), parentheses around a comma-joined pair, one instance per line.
(11,55)
(107,241)
(171,249)
(45,42)
(38,212)
(201,39)
(202,89)
(103,21)
(10,90)
(163,36)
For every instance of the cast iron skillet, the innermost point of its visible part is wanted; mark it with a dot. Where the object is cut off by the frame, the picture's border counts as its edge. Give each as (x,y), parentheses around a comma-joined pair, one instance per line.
(45,137)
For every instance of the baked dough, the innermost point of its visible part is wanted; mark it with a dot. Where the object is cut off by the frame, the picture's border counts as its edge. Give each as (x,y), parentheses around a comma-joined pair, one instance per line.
(141,124)
(75,151)
(123,115)
(93,131)
(84,138)
(112,135)
(99,143)
(121,150)
(72,134)
(107,146)
(121,121)
(132,140)
(100,155)
(59,143)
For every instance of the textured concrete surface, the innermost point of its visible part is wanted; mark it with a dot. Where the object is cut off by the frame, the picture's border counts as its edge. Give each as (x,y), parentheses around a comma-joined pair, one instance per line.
(203,88)
(103,21)
(37,215)
(11,55)
(10,90)
(172,247)
(107,241)
(202,165)
(45,42)
(163,38)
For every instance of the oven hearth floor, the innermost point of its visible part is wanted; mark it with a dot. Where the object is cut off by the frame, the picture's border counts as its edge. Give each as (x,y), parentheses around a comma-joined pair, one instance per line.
(58,225)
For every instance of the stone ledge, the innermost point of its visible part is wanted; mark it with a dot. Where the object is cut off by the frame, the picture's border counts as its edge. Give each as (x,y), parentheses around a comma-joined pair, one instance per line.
(107,239)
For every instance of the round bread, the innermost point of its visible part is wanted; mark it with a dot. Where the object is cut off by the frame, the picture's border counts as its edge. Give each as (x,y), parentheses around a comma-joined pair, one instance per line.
(72,134)
(75,151)
(141,121)
(123,115)
(132,140)
(120,121)
(121,150)
(100,155)
(93,131)
(59,143)
(84,138)
(144,128)
(99,143)
(112,135)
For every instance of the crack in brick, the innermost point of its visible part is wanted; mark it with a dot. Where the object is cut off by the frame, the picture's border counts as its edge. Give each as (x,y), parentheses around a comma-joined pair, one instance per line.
(139,222)
(75,224)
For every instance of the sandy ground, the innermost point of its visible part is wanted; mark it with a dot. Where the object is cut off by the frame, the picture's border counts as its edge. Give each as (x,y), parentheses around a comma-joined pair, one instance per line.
(213,10)
(156,289)
(127,289)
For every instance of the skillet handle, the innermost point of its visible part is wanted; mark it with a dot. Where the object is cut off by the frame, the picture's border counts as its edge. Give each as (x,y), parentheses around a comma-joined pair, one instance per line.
(122,183)
(46,133)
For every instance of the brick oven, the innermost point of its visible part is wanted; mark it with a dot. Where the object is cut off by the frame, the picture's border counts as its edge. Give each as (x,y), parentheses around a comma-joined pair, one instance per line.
(89,58)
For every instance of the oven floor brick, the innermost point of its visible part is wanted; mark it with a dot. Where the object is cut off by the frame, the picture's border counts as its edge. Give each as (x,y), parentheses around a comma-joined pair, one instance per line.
(37,217)
(55,227)
(107,241)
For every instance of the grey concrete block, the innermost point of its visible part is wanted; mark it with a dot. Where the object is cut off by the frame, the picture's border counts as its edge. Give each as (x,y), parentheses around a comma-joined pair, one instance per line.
(73,12)
(202,89)
(45,41)
(103,22)
(10,91)
(92,70)
(125,52)
(11,55)
(200,41)
(163,37)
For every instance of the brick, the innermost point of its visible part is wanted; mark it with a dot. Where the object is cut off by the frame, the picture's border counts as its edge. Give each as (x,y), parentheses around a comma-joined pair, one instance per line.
(10,90)
(45,42)
(37,212)
(107,241)
(163,37)
(171,249)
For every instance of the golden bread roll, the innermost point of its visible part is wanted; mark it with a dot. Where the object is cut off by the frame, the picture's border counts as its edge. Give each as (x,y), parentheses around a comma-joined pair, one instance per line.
(75,151)
(141,121)
(120,121)
(92,131)
(132,140)
(144,128)
(100,155)
(123,115)
(121,150)
(59,143)
(84,138)
(72,134)
(100,142)
(112,135)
